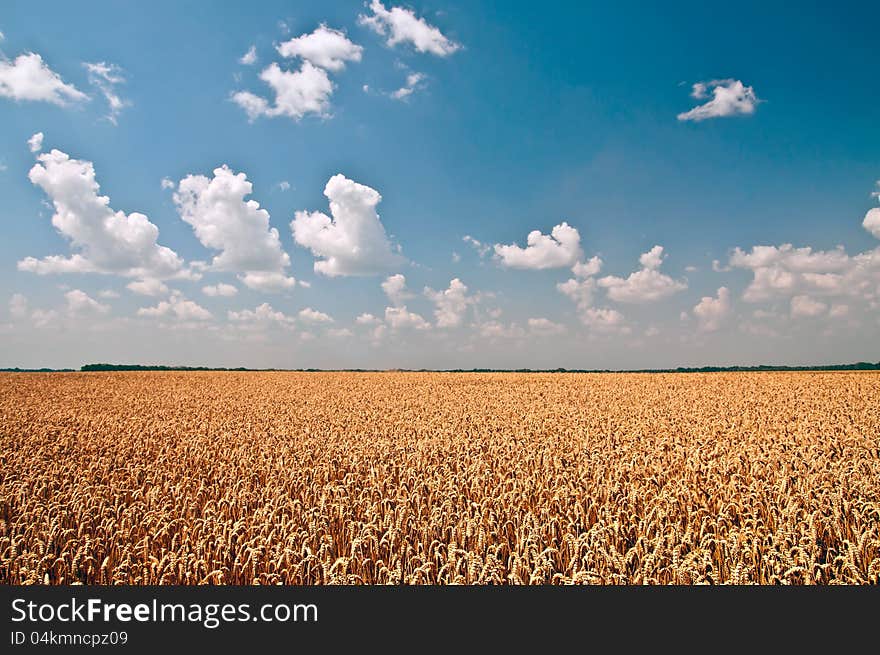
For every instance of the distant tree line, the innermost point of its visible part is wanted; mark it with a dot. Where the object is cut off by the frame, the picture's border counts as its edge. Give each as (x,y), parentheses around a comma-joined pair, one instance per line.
(858,366)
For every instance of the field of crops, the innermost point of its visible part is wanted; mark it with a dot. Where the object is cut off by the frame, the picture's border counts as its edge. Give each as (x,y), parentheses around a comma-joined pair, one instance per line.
(435,478)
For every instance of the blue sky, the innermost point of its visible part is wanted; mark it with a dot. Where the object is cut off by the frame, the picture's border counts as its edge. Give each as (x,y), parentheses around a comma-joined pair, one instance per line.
(508,118)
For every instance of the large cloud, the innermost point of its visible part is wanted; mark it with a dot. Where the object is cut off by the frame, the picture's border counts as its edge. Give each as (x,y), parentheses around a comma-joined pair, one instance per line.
(353,241)
(325,47)
(306,91)
(107,241)
(28,77)
(401,25)
(785,271)
(645,285)
(729,98)
(560,249)
(239,229)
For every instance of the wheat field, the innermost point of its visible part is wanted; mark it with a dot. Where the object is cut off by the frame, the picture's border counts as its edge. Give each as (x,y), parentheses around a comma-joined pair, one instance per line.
(440,478)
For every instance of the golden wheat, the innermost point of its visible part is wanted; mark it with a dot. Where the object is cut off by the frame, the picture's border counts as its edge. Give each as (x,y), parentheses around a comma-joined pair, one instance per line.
(426,478)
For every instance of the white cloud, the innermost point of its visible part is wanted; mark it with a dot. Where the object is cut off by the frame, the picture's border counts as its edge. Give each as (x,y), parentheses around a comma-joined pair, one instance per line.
(401,25)
(394,287)
(481,248)
(806,306)
(262,315)
(225,290)
(645,285)
(108,241)
(652,259)
(167,183)
(451,304)
(872,222)
(604,319)
(497,330)
(176,307)
(784,271)
(309,315)
(239,229)
(729,98)
(588,268)
(711,312)
(148,287)
(560,249)
(284,185)
(250,57)
(325,47)
(339,333)
(18,306)
(413,82)
(29,78)
(579,291)
(105,77)
(544,327)
(401,318)
(306,91)
(35,143)
(367,319)
(79,303)
(108,294)
(353,241)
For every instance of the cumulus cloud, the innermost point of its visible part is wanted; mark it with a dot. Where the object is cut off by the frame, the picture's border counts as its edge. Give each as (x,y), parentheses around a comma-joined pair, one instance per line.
(394,287)
(588,268)
(221,289)
(579,291)
(367,319)
(106,77)
(604,319)
(645,285)
(559,249)
(262,315)
(107,241)
(729,98)
(451,304)
(239,229)
(325,47)
(872,218)
(784,271)
(711,312)
(806,306)
(413,81)
(176,307)
(400,25)
(309,315)
(306,91)
(35,143)
(495,329)
(353,241)
(148,287)
(544,327)
(79,303)
(401,318)
(28,77)
(250,57)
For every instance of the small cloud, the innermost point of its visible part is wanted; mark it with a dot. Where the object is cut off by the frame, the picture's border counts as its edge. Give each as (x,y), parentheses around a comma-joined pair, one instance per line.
(35,143)
(250,57)
(414,81)
(105,77)
(167,183)
(729,98)
(283,185)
